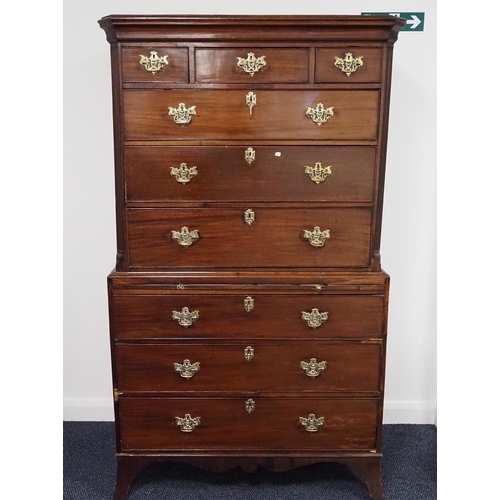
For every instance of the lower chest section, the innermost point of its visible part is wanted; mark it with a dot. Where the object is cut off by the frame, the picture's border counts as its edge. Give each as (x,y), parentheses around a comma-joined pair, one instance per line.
(248,366)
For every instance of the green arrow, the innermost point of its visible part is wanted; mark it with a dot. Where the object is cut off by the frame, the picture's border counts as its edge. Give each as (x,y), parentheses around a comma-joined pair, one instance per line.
(414,20)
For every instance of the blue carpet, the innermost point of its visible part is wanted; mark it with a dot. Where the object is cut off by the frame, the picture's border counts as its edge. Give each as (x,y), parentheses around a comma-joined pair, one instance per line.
(409,472)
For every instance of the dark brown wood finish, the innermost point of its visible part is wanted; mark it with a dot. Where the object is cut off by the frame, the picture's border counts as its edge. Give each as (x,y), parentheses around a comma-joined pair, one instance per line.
(149,424)
(278,114)
(268,261)
(350,367)
(275,239)
(327,72)
(278,173)
(176,71)
(216,65)
(205,281)
(224,316)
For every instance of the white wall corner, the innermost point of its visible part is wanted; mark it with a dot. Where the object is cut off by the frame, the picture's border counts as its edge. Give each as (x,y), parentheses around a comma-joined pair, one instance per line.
(88,409)
(410,412)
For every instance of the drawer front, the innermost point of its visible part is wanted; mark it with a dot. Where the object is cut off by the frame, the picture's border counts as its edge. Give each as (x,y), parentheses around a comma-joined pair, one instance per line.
(276,238)
(243,315)
(300,366)
(225,424)
(252,65)
(348,65)
(154,68)
(224,114)
(271,173)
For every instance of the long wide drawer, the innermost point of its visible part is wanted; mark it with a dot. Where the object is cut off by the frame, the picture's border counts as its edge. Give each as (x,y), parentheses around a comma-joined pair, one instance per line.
(280,367)
(239,315)
(276,114)
(276,237)
(251,173)
(161,424)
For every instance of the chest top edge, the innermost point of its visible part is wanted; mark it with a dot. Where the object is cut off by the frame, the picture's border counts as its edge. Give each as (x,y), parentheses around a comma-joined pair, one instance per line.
(120,28)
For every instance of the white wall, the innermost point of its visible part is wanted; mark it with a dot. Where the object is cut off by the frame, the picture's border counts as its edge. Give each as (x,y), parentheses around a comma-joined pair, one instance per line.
(409,223)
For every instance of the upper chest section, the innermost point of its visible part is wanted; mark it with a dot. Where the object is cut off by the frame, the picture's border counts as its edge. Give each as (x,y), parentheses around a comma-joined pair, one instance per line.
(250,50)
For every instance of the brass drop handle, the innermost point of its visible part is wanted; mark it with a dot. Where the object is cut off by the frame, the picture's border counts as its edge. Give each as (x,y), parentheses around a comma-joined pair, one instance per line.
(316,237)
(319,114)
(185,318)
(187,424)
(153,63)
(185,237)
(186,369)
(251,64)
(311,423)
(313,368)
(348,64)
(318,173)
(314,319)
(182,115)
(183,174)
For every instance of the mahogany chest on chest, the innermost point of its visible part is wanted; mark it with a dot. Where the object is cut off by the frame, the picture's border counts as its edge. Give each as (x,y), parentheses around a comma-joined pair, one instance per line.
(248,308)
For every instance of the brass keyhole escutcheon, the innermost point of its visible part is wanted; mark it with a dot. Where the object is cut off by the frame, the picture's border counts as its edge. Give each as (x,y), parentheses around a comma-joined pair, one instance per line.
(249,216)
(250,405)
(251,100)
(250,155)
(248,302)
(249,352)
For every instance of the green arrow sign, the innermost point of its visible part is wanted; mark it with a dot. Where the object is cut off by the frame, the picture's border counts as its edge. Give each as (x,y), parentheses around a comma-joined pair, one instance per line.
(414,20)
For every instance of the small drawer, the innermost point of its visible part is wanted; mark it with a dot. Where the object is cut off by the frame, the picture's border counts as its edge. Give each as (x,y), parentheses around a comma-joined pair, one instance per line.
(253,173)
(245,115)
(348,65)
(244,315)
(249,237)
(252,366)
(154,68)
(252,65)
(168,424)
